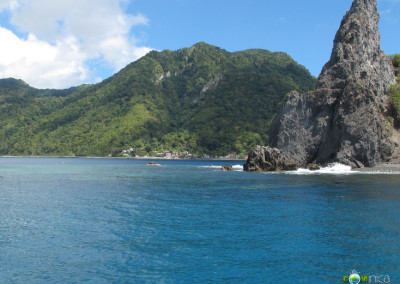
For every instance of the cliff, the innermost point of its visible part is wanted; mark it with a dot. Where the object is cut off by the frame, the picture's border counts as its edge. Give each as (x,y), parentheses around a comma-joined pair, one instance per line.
(344,119)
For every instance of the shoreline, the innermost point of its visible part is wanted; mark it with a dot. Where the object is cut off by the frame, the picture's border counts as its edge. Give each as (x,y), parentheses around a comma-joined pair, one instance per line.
(124,158)
(382,168)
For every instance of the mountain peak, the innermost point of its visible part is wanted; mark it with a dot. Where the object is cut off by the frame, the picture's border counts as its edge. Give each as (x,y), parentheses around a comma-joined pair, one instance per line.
(11,82)
(365,4)
(203,46)
(356,54)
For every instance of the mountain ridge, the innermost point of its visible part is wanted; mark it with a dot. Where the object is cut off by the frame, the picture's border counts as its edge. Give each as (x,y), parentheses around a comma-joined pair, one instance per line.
(201,99)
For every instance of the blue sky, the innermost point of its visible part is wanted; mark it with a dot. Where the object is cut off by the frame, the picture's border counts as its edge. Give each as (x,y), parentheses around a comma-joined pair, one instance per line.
(58,43)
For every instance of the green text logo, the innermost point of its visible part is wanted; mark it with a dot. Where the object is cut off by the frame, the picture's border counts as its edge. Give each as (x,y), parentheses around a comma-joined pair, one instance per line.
(356,278)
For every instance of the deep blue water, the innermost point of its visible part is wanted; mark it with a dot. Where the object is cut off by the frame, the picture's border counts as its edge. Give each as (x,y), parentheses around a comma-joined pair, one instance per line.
(118,221)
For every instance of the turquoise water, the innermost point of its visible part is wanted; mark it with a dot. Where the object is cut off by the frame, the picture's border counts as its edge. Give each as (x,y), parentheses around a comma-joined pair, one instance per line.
(118,221)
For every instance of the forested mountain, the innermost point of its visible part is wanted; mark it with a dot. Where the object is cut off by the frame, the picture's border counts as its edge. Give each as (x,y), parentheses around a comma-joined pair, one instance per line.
(203,100)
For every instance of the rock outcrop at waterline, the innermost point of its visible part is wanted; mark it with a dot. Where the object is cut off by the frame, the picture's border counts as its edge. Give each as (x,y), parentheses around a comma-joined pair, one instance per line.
(344,119)
(226,168)
(267,159)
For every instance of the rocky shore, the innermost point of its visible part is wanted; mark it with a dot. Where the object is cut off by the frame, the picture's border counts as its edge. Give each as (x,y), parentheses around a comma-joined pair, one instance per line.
(383,168)
(346,120)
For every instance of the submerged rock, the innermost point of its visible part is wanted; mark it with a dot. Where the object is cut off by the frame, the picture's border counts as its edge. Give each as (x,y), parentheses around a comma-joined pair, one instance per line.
(313,167)
(344,119)
(267,159)
(227,168)
(153,164)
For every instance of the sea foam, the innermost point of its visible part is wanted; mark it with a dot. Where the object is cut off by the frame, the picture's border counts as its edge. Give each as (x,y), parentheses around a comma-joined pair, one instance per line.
(335,169)
(235,167)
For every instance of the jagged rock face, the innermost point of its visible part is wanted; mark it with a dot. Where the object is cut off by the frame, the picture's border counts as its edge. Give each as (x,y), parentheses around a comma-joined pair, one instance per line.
(356,56)
(267,159)
(343,120)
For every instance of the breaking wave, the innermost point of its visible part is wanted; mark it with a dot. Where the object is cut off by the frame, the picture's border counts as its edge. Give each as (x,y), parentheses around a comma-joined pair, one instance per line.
(238,167)
(235,167)
(335,169)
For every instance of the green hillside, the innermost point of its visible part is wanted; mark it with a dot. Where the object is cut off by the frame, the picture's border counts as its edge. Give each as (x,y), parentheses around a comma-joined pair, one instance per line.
(203,100)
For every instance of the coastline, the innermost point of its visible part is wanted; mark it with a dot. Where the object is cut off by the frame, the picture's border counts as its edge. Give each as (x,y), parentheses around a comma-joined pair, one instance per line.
(382,168)
(124,158)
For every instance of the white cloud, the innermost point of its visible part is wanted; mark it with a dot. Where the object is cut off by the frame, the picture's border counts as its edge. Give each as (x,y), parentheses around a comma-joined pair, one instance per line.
(40,63)
(8,4)
(63,36)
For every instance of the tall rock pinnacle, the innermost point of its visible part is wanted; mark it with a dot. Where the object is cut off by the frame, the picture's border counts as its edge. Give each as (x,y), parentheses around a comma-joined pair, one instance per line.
(356,54)
(344,119)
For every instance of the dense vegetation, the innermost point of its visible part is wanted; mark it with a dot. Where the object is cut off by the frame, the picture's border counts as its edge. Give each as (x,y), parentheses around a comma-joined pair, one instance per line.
(394,94)
(202,100)
(396,60)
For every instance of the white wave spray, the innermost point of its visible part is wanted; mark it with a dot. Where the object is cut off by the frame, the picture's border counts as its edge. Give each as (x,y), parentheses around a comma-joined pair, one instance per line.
(235,167)
(335,169)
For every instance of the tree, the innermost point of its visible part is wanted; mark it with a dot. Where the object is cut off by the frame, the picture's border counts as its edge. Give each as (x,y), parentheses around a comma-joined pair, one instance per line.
(396,60)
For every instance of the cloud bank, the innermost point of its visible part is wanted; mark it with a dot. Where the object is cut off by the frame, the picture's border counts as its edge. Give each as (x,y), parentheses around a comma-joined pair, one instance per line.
(53,42)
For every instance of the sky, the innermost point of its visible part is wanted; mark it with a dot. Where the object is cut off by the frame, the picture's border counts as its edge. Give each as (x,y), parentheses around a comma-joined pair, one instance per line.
(64,43)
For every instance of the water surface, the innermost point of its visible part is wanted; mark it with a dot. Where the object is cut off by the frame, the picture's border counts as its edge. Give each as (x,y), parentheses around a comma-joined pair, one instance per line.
(119,221)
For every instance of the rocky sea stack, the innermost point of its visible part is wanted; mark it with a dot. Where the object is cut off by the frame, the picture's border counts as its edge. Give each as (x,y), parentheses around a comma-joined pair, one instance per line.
(345,119)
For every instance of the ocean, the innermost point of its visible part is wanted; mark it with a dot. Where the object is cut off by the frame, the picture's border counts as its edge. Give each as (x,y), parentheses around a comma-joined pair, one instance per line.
(119,221)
